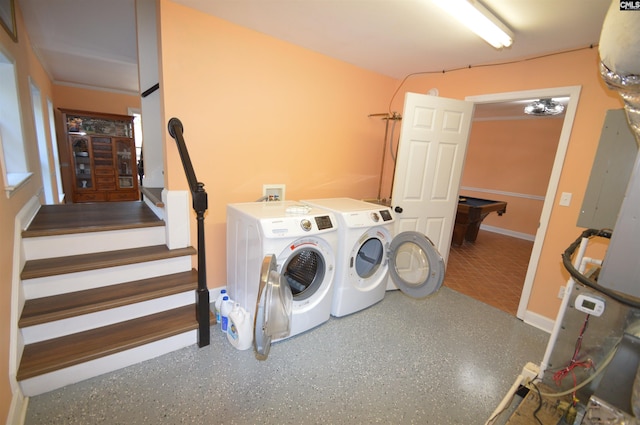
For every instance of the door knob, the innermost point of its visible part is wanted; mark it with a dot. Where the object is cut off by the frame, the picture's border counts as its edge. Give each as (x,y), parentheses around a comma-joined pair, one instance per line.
(398,209)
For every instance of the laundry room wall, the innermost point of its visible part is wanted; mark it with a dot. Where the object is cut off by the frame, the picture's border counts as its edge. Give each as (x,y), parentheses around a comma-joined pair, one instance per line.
(84,99)
(257,110)
(28,70)
(511,161)
(575,68)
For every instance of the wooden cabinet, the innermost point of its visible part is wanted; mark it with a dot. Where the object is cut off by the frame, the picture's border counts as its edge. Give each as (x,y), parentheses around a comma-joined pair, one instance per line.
(101,157)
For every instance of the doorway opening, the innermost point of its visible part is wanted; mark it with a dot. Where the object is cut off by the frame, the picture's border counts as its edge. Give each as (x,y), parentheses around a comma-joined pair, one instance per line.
(572,93)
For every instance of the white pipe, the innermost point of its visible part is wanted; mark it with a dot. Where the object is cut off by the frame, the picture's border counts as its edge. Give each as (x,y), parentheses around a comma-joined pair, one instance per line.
(505,401)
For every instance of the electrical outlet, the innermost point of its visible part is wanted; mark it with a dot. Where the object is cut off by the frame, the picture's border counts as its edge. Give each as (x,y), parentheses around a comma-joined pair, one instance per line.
(561,292)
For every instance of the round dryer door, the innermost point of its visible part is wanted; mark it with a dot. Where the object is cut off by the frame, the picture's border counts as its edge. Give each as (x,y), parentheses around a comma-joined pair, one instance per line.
(273,308)
(415,265)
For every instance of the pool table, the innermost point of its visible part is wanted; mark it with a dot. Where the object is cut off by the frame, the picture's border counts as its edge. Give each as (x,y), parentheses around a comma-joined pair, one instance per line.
(471,212)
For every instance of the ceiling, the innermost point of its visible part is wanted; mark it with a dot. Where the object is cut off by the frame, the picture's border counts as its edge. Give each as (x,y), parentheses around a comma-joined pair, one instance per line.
(93,42)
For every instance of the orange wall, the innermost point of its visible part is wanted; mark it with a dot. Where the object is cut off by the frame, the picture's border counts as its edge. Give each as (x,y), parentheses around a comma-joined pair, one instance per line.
(257,111)
(82,99)
(514,156)
(27,66)
(568,69)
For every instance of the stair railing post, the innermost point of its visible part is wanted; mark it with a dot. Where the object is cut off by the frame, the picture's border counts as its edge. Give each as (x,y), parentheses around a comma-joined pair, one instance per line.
(200,205)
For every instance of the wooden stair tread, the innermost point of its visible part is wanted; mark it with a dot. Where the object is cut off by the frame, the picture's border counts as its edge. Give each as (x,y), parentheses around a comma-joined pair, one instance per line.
(66,219)
(59,353)
(48,309)
(77,263)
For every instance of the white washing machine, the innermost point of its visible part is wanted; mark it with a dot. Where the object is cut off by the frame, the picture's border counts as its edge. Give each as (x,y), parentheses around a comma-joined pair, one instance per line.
(371,259)
(282,243)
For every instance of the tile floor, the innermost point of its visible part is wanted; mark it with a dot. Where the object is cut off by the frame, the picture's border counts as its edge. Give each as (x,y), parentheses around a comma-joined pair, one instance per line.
(491,269)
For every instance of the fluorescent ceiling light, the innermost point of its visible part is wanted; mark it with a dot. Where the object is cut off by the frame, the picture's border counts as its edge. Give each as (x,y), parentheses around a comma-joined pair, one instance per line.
(479,20)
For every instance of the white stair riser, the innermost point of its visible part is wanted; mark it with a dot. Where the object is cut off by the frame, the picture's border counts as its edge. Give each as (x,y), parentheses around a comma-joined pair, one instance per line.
(71,282)
(71,375)
(85,243)
(98,319)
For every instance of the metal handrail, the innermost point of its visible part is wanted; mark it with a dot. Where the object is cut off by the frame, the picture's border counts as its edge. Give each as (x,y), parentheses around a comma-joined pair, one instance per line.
(200,205)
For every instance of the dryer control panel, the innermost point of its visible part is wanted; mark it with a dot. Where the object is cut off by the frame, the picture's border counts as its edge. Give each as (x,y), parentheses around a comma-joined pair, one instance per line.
(386,215)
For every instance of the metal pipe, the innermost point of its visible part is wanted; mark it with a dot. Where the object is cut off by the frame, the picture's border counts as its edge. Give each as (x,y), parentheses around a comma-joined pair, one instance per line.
(387,116)
(619,50)
(384,151)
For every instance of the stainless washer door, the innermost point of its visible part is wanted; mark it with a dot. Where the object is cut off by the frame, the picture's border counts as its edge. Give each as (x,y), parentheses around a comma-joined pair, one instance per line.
(273,308)
(415,265)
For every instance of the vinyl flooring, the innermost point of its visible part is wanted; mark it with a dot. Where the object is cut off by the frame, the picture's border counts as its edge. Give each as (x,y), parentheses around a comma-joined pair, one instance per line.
(443,360)
(491,270)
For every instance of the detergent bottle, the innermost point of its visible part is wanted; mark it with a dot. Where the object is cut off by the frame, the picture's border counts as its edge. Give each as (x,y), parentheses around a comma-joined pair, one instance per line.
(225,309)
(217,304)
(240,328)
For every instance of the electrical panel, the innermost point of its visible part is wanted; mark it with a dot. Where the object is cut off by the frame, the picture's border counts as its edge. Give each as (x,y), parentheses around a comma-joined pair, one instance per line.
(610,173)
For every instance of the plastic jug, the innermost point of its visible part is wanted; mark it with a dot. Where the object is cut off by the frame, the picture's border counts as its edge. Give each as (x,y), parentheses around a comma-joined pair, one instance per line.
(225,309)
(217,304)
(240,328)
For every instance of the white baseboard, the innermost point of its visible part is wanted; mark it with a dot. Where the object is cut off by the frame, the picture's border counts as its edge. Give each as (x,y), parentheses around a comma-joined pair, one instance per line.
(538,321)
(507,232)
(18,408)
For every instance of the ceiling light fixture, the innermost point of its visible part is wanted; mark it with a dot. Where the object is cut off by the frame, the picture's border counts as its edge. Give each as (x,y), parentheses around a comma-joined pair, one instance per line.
(544,107)
(479,20)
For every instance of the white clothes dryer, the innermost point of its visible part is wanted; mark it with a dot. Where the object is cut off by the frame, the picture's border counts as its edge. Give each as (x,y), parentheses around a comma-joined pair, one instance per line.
(302,241)
(370,256)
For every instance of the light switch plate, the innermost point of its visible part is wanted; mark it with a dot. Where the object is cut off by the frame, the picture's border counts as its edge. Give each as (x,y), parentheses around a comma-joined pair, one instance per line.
(565,199)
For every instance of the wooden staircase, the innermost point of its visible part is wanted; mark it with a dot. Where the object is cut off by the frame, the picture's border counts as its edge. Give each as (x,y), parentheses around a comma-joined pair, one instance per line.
(111,295)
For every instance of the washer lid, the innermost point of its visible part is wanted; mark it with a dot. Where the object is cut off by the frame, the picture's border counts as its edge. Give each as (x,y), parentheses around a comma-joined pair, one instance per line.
(415,265)
(273,308)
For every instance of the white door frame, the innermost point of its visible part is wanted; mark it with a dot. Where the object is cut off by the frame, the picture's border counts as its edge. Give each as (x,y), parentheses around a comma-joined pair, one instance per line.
(574,93)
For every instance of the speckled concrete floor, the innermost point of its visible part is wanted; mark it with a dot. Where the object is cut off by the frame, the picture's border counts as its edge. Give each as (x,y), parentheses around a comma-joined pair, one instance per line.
(447,359)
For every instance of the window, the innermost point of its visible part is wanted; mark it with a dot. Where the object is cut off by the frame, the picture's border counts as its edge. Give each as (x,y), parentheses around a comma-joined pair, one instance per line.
(43,149)
(13,160)
(54,149)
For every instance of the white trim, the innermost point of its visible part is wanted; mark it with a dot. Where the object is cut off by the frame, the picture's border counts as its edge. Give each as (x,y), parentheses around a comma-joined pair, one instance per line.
(538,321)
(503,193)
(507,232)
(177,218)
(519,118)
(96,88)
(18,407)
(574,94)
(15,181)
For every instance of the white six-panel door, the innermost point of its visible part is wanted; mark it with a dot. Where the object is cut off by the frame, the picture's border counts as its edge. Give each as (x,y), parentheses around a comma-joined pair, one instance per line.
(431,153)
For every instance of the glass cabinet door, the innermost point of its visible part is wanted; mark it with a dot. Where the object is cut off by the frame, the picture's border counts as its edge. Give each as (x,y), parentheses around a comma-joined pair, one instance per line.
(124,165)
(81,162)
